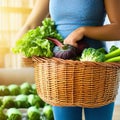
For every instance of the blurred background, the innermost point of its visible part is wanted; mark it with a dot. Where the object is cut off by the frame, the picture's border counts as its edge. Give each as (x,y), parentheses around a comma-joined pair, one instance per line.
(13,71)
(13,14)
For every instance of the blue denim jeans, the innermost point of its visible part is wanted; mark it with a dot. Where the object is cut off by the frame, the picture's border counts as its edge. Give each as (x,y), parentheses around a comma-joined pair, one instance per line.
(75,113)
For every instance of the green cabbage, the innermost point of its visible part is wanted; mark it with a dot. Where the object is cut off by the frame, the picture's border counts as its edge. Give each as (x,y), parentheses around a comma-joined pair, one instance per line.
(8,102)
(33,113)
(35,100)
(4,90)
(22,101)
(14,89)
(3,116)
(34,90)
(14,114)
(25,88)
(48,113)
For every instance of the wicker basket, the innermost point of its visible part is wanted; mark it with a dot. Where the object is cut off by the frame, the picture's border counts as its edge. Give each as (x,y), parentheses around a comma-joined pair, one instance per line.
(73,83)
(26,62)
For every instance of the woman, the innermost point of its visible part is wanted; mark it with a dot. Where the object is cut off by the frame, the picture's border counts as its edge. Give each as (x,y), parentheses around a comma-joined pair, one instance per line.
(74,20)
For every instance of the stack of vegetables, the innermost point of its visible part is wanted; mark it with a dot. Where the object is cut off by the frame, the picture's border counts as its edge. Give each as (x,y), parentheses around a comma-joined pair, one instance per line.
(35,42)
(113,55)
(22,101)
(100,55)
(45,41)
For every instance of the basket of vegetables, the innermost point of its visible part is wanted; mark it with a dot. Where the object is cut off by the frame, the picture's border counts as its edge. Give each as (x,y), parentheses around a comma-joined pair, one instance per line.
(70,76)
(77,83)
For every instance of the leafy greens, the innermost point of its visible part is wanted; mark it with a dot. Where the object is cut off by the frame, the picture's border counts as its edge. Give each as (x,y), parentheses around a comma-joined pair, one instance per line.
(35,42)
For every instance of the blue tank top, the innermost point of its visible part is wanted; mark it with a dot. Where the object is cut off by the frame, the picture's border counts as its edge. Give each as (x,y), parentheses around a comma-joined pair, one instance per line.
(71,14)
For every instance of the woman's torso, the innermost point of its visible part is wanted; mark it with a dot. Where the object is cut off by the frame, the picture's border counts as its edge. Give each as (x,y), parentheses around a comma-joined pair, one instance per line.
(71,14)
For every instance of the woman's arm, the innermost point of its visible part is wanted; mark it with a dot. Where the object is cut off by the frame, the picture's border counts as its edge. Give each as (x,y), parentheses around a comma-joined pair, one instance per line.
(111,31)
(38,13)
(107,32)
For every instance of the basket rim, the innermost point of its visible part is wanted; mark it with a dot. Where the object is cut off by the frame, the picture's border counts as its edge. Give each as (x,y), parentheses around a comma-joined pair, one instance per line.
(74,62)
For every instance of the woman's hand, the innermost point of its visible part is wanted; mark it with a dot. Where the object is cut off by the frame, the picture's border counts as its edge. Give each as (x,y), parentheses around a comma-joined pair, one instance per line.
(74,37)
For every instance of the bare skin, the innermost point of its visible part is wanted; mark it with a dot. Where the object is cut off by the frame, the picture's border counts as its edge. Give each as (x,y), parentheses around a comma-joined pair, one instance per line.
(108,32)
(38,13)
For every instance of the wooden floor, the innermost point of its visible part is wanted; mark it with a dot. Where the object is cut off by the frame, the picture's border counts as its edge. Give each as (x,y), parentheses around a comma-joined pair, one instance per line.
(116,114)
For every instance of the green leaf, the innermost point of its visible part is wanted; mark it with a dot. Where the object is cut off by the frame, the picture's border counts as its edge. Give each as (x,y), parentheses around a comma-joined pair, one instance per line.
(34,42)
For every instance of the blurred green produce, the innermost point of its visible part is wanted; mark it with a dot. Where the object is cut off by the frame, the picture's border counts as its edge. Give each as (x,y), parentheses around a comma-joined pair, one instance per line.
(4,90)
(14,114)
(35,100)
(34,90)
(25,88)
(33,113)
(48,113)
(8,102)
(14,89)
(2,114)
(22,101)
(0,102)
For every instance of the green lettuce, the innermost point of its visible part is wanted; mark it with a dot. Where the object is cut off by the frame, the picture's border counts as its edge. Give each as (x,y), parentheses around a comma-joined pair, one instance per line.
(35,42)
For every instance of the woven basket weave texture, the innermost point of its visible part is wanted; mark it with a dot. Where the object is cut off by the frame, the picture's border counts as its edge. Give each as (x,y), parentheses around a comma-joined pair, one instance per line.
(26,62)
(73,83)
